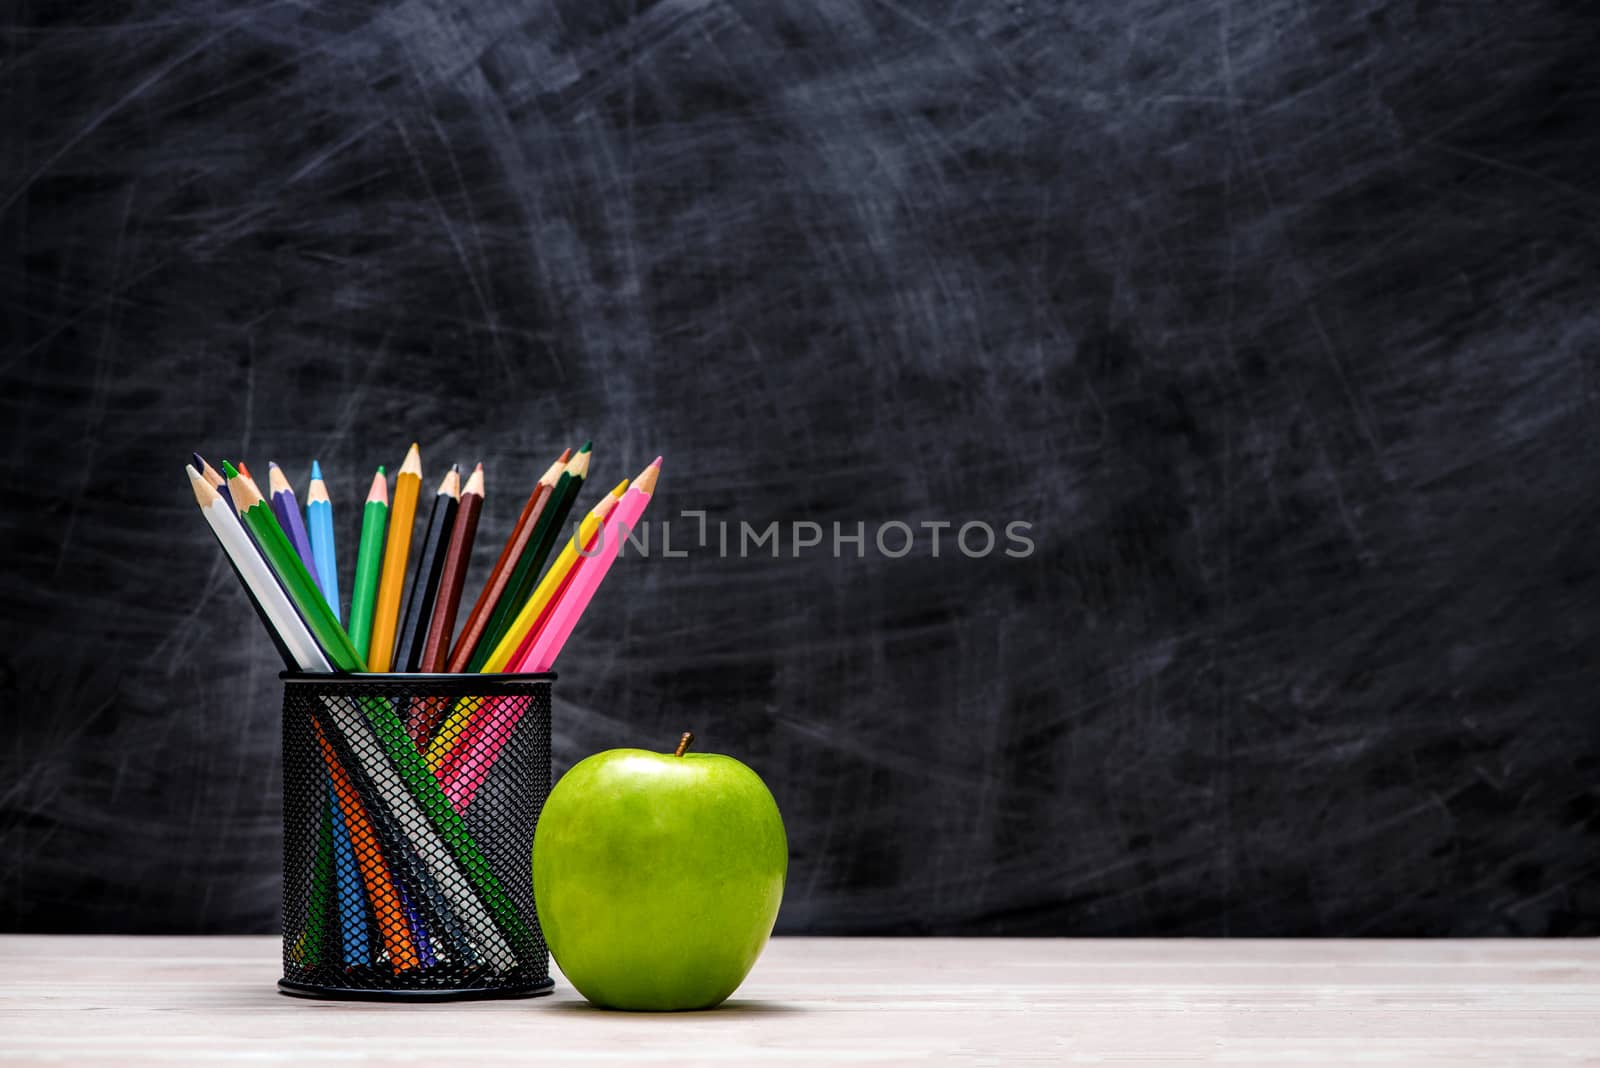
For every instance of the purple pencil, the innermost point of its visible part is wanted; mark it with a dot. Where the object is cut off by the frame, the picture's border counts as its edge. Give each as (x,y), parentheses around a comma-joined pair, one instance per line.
(287,509)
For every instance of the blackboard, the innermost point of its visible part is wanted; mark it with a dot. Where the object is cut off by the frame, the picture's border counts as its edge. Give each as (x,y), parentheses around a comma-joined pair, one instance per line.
(1274,322)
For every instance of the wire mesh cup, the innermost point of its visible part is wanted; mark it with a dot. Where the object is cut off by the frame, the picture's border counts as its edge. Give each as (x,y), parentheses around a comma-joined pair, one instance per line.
(409,806)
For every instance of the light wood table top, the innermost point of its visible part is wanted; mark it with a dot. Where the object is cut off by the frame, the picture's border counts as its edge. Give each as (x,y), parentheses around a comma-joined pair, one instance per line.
(77,1000)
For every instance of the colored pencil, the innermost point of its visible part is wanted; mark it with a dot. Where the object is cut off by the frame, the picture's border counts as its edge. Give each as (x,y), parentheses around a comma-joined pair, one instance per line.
(352,905)
(259,582)
(312,943)
(369,561)
(319,525)
(425,580)
(463,715)
(353,908)
(287,508)
(555,579)
(243,470)
(526,573)
(466,775)
(540,653)
(457,558)
(402,516)
(478,619)
(297,582)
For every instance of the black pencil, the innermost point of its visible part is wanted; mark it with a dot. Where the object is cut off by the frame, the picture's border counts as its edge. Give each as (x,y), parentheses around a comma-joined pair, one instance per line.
(425,583)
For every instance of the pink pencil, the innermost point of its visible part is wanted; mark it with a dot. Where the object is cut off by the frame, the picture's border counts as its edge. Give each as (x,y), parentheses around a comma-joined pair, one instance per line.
(461,780)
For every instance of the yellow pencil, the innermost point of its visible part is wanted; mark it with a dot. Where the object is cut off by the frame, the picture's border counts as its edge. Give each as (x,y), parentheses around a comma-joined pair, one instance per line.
(396,551)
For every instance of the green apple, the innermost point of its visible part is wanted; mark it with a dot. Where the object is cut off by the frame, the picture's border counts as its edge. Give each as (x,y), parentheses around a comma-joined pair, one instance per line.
(658,876)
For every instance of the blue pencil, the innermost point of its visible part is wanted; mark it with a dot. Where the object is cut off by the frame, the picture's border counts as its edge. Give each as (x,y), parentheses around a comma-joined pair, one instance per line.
(287,509)
(352,901)
(319,524)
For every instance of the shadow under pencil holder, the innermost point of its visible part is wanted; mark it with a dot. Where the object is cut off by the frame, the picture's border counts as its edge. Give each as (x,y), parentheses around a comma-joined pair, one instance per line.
(409,806)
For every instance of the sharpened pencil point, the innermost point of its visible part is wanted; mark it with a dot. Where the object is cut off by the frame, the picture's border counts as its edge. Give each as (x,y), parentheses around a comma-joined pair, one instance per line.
(412,465)
(316,469)
(381,471)
(229,470)
(587,446)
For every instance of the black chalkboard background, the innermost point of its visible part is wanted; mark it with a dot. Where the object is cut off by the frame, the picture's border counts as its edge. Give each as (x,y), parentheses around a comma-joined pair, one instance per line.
(1280,323)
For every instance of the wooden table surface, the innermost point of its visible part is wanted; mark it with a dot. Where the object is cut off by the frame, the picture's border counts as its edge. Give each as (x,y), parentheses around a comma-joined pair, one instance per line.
(75,1000)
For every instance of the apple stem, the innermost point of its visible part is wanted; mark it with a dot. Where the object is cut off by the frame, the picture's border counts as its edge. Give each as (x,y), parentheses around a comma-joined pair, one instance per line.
(684,743)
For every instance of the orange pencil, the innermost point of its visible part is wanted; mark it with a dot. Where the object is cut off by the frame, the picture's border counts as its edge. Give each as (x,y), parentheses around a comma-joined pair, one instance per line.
(396,551)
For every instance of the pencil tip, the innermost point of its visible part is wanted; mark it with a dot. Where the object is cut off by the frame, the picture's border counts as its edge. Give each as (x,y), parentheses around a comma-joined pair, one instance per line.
(587,446)
(316,469)
(656,462)
(199,461)
(381,471)
(193,474)
(229,470)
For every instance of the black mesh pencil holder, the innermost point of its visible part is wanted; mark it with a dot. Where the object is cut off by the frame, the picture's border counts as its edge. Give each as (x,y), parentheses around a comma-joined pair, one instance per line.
(409,805)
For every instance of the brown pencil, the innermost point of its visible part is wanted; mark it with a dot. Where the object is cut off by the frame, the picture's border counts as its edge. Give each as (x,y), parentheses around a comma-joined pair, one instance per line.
(456,558)
(478,620)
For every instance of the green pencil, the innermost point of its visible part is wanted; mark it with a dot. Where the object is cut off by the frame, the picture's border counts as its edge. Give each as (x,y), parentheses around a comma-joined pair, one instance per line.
(291,571)
(369,561)
(526,574)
